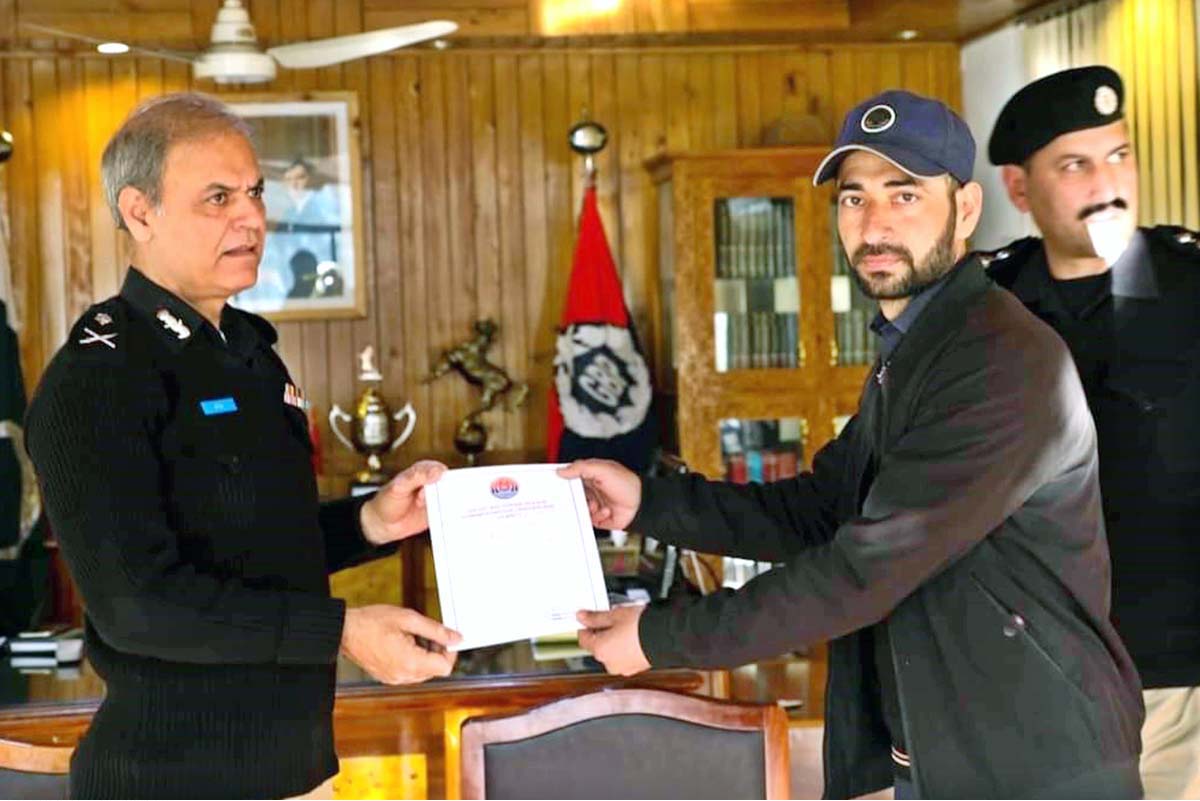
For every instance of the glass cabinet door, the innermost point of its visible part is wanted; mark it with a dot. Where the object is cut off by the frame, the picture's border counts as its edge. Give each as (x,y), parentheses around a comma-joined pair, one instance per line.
(760,451)
(852,310)
(757,295)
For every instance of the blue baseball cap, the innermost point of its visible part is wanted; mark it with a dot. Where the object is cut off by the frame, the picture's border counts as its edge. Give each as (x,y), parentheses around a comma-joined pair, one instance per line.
(919,135)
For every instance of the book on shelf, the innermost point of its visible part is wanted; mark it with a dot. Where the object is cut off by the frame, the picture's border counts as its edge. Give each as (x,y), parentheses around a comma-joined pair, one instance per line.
(60,645)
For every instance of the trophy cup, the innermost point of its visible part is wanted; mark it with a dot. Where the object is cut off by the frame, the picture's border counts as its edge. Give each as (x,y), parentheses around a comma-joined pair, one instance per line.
(373,427)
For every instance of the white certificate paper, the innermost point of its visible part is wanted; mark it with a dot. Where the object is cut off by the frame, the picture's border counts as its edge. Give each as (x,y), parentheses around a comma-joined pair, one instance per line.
(514,553)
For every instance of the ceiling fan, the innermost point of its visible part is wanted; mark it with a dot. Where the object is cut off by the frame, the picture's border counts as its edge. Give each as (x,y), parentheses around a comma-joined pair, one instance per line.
(235,57)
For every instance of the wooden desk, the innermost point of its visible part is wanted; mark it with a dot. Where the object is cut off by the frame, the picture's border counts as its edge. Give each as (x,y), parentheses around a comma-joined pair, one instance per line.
(397,741)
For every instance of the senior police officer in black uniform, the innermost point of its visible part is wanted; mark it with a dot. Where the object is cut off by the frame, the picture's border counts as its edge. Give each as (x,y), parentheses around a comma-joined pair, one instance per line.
(173,453)
(1125,301)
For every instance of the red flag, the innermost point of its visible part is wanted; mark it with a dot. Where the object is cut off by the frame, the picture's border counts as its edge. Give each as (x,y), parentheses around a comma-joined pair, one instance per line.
(601,395)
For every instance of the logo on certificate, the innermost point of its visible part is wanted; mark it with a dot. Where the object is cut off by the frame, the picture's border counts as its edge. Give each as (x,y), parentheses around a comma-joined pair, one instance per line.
(504,488)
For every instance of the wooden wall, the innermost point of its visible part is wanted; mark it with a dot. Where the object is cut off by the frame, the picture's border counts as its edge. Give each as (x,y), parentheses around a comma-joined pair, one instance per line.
(470,189)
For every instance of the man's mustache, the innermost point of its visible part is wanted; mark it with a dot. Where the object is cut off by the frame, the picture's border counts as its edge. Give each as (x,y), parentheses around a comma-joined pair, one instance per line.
(1088,211)
(881,250)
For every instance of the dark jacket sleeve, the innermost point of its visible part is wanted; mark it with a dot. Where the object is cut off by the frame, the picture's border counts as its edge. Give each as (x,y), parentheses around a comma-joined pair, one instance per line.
(89,433)
(995,422)
(767,522)
(345,545)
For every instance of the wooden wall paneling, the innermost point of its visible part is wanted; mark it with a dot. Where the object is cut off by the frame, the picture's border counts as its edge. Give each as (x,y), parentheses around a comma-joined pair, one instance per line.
(890,70)
(608,178)
(562,170)
(725,101)
(817,94)
(489,277)
(437,222)
(535,243)
(771,71)
(578,102)
(796,81)
(407,254)
(472,21)
(77,251)
(385,255)
(460,222)
(748,79)
(701,111)
(914,70)
(675,95)
(629,150)
(649,100)
(101,113)
(947,74)
(511,264)
(51,315)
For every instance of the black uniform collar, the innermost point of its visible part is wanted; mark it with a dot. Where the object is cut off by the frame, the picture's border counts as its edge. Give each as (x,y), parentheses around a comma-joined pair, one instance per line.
(178,323)
(1132,277)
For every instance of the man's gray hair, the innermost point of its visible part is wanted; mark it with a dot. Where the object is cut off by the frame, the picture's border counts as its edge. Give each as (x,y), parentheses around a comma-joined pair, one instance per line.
(137,152)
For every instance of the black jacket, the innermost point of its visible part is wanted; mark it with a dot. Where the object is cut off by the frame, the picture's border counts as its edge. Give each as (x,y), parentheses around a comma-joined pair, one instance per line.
(961,509)
(179,483)
(1138,354)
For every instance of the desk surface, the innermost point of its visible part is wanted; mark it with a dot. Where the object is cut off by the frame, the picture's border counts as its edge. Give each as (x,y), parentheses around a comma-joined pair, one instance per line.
(79,685)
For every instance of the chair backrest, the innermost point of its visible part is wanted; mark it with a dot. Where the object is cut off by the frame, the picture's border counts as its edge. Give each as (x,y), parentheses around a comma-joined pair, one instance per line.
(628,744)
(33,771)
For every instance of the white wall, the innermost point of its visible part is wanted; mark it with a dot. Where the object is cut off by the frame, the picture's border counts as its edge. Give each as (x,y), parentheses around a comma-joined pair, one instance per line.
(993,69)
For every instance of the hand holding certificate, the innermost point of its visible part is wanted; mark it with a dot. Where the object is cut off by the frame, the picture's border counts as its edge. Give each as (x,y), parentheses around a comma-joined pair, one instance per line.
(514,552)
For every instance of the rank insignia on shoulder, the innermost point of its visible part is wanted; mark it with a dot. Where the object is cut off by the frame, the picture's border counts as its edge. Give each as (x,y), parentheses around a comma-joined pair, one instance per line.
(102,319)
(173,323)
(104,339)
(292,396)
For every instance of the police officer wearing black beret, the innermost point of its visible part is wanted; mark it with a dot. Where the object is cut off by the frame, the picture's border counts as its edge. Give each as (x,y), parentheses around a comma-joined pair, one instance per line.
(1125,301)
(173,454)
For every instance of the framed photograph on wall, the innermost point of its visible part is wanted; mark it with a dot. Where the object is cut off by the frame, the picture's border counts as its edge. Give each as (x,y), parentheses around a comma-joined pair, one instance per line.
(313,264)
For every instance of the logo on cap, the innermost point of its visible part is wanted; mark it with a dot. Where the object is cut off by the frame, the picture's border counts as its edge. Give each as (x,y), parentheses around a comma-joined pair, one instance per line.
(878,119)
(1106,100)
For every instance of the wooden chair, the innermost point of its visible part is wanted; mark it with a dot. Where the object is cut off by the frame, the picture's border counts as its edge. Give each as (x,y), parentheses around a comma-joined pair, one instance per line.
(628,744)
(33,771)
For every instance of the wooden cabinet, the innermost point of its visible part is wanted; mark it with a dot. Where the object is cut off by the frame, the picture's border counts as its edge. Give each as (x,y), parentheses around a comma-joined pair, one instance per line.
(760,339)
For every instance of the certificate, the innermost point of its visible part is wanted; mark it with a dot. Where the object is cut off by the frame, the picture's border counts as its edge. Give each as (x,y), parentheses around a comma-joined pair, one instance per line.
(514,552)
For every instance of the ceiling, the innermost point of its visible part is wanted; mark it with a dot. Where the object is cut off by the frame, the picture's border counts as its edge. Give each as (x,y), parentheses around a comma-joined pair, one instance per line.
(526,23)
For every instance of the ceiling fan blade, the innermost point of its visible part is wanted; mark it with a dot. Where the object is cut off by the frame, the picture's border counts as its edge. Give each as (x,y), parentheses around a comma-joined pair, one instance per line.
(324,52)
(80,37)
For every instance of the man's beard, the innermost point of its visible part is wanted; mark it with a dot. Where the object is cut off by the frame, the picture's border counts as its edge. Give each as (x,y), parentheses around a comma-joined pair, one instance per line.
(918,277)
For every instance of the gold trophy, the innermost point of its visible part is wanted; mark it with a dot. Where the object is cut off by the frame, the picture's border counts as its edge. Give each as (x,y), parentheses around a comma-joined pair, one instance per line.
(374,427)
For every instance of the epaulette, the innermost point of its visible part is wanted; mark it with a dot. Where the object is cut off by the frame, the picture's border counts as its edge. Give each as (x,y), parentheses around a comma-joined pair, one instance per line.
(260,324)
(101,333)
(1004,263)
(1177,239)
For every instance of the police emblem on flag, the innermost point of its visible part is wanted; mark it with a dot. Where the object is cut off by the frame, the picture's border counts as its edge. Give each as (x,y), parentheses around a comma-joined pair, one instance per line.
(602,380)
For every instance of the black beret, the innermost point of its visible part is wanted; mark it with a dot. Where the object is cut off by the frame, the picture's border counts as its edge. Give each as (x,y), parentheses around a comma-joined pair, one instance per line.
(1071,100)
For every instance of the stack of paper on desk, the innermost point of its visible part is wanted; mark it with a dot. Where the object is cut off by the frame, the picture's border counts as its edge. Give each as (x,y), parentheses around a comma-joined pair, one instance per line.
(514,552)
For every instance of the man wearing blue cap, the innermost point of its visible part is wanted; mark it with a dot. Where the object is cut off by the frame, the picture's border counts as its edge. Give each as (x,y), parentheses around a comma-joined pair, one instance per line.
(949,542)
(1124,299)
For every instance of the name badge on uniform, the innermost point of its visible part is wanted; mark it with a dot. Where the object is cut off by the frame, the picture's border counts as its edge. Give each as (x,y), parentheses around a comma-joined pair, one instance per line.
(218,406)
(292,396)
